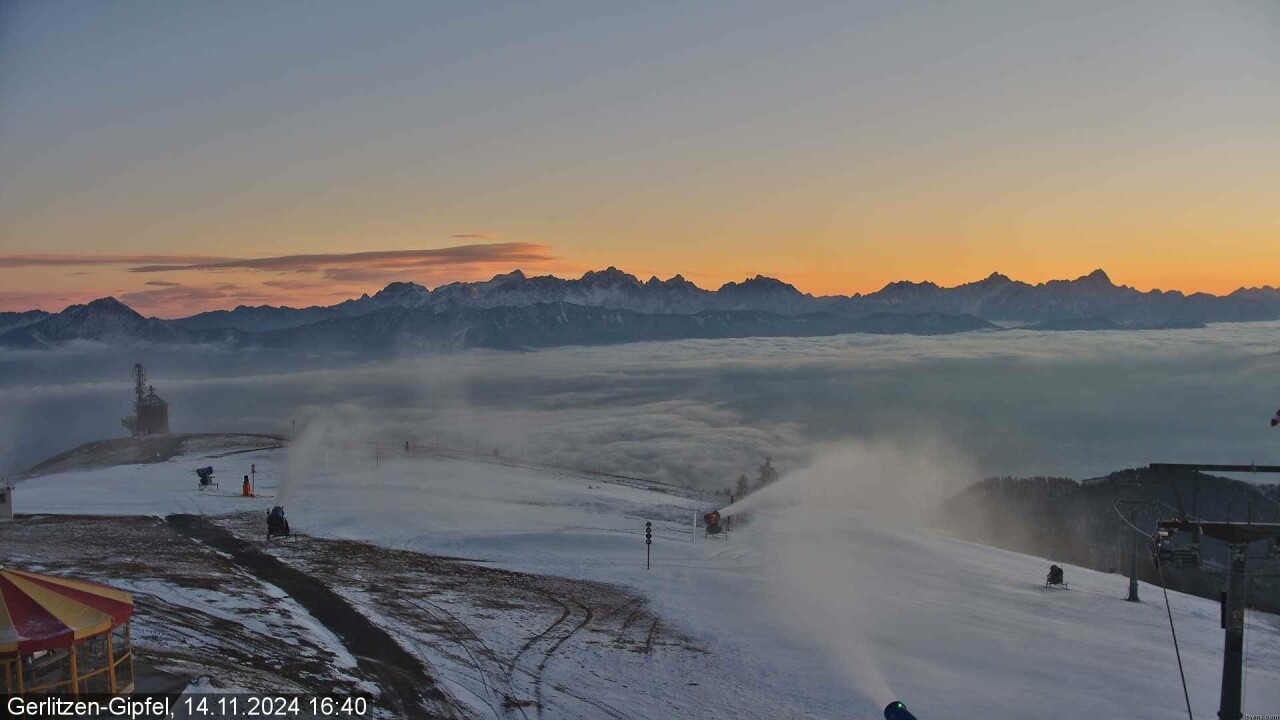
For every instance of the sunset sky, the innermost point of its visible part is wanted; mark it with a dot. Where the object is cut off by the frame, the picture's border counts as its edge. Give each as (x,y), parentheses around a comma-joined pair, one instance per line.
(188,156)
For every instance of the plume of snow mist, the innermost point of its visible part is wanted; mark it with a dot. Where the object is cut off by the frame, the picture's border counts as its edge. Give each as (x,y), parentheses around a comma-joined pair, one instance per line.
(334,444)
(834,536)
(894,481)
(305,457)
(8,427)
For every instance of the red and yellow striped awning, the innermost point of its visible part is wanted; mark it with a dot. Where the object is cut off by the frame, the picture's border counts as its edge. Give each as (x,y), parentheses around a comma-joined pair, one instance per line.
(42,612)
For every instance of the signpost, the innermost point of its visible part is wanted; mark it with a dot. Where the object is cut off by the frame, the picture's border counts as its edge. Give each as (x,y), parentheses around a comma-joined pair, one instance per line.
(648,540)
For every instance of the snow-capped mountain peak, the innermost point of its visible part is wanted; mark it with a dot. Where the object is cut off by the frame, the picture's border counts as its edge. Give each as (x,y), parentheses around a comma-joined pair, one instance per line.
(404,294)
(610,277)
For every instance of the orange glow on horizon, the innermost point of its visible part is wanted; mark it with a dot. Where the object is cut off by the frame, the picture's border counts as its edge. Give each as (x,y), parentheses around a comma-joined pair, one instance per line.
(183,293)
(445,142)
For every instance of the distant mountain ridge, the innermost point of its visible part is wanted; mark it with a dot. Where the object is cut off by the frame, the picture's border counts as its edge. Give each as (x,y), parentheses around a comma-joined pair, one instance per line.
(514,310)
(397,329)
(996,298)
(111,321)
(12,320)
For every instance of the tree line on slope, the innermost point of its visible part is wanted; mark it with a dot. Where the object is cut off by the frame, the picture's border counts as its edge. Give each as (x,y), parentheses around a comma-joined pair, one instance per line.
(1071,521)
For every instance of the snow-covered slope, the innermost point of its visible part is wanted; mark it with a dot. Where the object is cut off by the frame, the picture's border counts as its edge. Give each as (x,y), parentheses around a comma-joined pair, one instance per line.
(956,630)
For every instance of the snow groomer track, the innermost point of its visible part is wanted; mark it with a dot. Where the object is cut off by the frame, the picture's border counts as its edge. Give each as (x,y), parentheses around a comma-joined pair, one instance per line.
(404,681)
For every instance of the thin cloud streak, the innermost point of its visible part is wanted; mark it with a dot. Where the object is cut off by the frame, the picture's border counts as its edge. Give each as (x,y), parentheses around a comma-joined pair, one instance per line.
(297,284)
(177,295)
(62,260)
(180,300)
(427,257)
(301,279)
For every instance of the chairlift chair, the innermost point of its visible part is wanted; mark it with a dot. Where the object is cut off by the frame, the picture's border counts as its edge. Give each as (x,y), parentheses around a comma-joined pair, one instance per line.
(1166,553)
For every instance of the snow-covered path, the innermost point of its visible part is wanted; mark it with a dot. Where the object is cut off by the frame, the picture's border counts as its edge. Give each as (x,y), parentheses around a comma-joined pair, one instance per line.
(956,630)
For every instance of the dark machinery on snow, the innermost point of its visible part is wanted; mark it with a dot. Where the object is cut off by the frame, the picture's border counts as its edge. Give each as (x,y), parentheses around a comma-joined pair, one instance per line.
(1055,577)
(205,476)
(277,523)
(712,520)
(897,711)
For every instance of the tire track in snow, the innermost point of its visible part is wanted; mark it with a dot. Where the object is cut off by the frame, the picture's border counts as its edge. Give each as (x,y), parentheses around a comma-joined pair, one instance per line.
(630,619)
(503,674)
(648,641)
(557,634)
(600,705)
(404,681)
(619,608)
(546,657)
(511,666)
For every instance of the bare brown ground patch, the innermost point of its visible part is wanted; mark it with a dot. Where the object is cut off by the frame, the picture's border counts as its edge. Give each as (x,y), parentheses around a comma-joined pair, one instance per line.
(504,628)
(195,612)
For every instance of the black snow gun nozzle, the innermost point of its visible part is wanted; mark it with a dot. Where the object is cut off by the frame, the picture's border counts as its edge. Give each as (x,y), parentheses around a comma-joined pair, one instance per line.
(897,711)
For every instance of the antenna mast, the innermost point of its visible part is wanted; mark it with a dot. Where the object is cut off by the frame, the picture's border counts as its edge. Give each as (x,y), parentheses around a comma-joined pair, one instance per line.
(139,384)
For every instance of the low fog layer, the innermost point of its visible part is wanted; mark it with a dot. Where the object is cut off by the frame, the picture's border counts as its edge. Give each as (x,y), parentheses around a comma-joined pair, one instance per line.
(703,412)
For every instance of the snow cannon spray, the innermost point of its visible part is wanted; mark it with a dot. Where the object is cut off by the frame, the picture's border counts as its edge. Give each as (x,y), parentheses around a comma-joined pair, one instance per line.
(897,711)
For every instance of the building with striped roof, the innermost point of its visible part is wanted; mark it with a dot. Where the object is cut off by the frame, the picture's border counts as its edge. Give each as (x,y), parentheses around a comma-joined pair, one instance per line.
(66,636)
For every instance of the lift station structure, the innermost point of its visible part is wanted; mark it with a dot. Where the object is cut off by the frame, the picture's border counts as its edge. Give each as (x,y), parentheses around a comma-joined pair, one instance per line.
(1237,536)
(150,412)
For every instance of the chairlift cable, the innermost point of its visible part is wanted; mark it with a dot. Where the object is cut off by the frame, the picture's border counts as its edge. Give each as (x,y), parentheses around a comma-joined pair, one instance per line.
(1172,509)
(1274,501)
(1126,522)
(1244,656)
(1275,517)
(1185,695)
(1254,574)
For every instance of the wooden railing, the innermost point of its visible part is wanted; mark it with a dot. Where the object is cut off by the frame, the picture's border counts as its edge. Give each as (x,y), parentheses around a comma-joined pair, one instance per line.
(116,685)
(11,669)
(48,688)
(13,680)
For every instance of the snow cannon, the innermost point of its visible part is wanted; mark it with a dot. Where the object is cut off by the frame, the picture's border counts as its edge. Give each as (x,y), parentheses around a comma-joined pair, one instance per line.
(712,520)
(277,524)
(205,474)
(897,711)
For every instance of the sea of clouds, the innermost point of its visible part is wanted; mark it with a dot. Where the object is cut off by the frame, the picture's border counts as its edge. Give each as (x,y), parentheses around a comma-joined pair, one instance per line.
(702,412)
